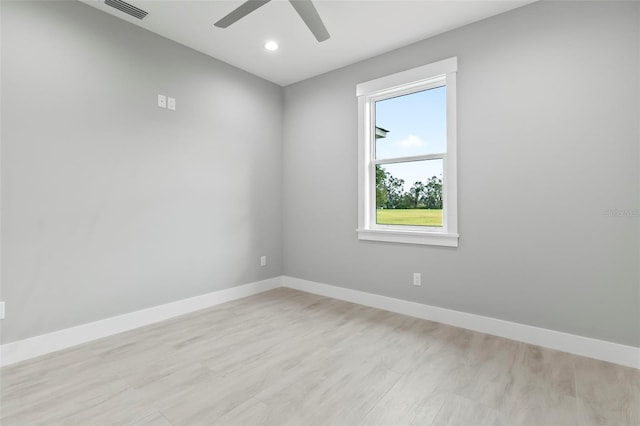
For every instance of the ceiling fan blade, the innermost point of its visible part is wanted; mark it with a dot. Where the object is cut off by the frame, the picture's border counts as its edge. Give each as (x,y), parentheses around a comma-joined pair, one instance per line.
(240,12)
(309,15)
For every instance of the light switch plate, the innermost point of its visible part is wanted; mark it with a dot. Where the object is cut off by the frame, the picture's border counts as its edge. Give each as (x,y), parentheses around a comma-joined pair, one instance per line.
(162,101)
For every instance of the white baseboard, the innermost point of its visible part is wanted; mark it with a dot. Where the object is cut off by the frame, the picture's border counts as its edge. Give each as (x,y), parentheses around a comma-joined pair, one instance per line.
(21,350)
(599,349)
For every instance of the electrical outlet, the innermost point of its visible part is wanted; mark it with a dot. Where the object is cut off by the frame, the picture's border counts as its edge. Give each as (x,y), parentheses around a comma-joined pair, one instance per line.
(263,260)
(417,278)
(171,104)
(162,101)
(1,310)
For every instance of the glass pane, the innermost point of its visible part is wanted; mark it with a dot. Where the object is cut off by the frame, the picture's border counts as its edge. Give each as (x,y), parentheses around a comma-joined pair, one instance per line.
(409,193)
(413,124)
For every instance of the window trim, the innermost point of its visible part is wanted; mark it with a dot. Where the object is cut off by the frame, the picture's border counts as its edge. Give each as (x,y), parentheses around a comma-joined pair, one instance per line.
(421,78)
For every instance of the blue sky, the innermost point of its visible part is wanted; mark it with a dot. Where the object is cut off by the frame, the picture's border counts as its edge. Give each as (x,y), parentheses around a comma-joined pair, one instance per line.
(416,125)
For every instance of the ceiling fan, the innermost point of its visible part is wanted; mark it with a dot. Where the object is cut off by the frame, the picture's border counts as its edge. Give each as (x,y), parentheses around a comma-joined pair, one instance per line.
(305,9)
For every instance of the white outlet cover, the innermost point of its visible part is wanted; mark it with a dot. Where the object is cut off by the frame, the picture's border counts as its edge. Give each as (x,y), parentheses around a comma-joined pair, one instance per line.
(162,101)
(171,104)
(417,278)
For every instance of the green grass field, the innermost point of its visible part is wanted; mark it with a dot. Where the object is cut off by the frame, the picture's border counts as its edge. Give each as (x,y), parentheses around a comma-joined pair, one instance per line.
(419,217)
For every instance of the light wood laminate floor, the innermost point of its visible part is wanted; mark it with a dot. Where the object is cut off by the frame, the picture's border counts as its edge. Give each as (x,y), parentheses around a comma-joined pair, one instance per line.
(286,357)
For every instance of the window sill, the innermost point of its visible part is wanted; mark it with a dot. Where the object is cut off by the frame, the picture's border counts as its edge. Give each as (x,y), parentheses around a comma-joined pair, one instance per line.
(409,237)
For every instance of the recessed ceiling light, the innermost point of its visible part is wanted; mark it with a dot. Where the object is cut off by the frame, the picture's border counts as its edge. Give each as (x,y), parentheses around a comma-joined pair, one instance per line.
(271,45)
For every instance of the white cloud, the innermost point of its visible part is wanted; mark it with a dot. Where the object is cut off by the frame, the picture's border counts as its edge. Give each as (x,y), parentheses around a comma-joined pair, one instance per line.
(411,141)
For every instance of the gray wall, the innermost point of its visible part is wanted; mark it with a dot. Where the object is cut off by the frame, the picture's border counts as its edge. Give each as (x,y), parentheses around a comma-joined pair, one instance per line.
(111,204)
(548,107)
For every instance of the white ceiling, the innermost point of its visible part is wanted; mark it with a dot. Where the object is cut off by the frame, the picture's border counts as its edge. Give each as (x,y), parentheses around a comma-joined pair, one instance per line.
(359,29)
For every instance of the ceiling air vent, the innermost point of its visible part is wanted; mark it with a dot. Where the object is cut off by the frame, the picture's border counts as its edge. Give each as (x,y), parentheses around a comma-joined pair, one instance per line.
(126,8)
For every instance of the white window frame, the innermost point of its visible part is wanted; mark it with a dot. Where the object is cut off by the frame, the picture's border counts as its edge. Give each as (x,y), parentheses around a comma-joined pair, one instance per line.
(437,74)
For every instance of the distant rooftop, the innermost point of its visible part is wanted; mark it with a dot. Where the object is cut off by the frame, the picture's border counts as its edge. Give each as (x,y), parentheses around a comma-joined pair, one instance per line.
(381,133)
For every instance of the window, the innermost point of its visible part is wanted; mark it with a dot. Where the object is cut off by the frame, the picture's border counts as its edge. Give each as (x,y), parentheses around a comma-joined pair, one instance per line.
(407,156)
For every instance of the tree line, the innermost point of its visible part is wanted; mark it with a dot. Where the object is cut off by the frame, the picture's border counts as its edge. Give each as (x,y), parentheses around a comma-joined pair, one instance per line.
(390,193)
